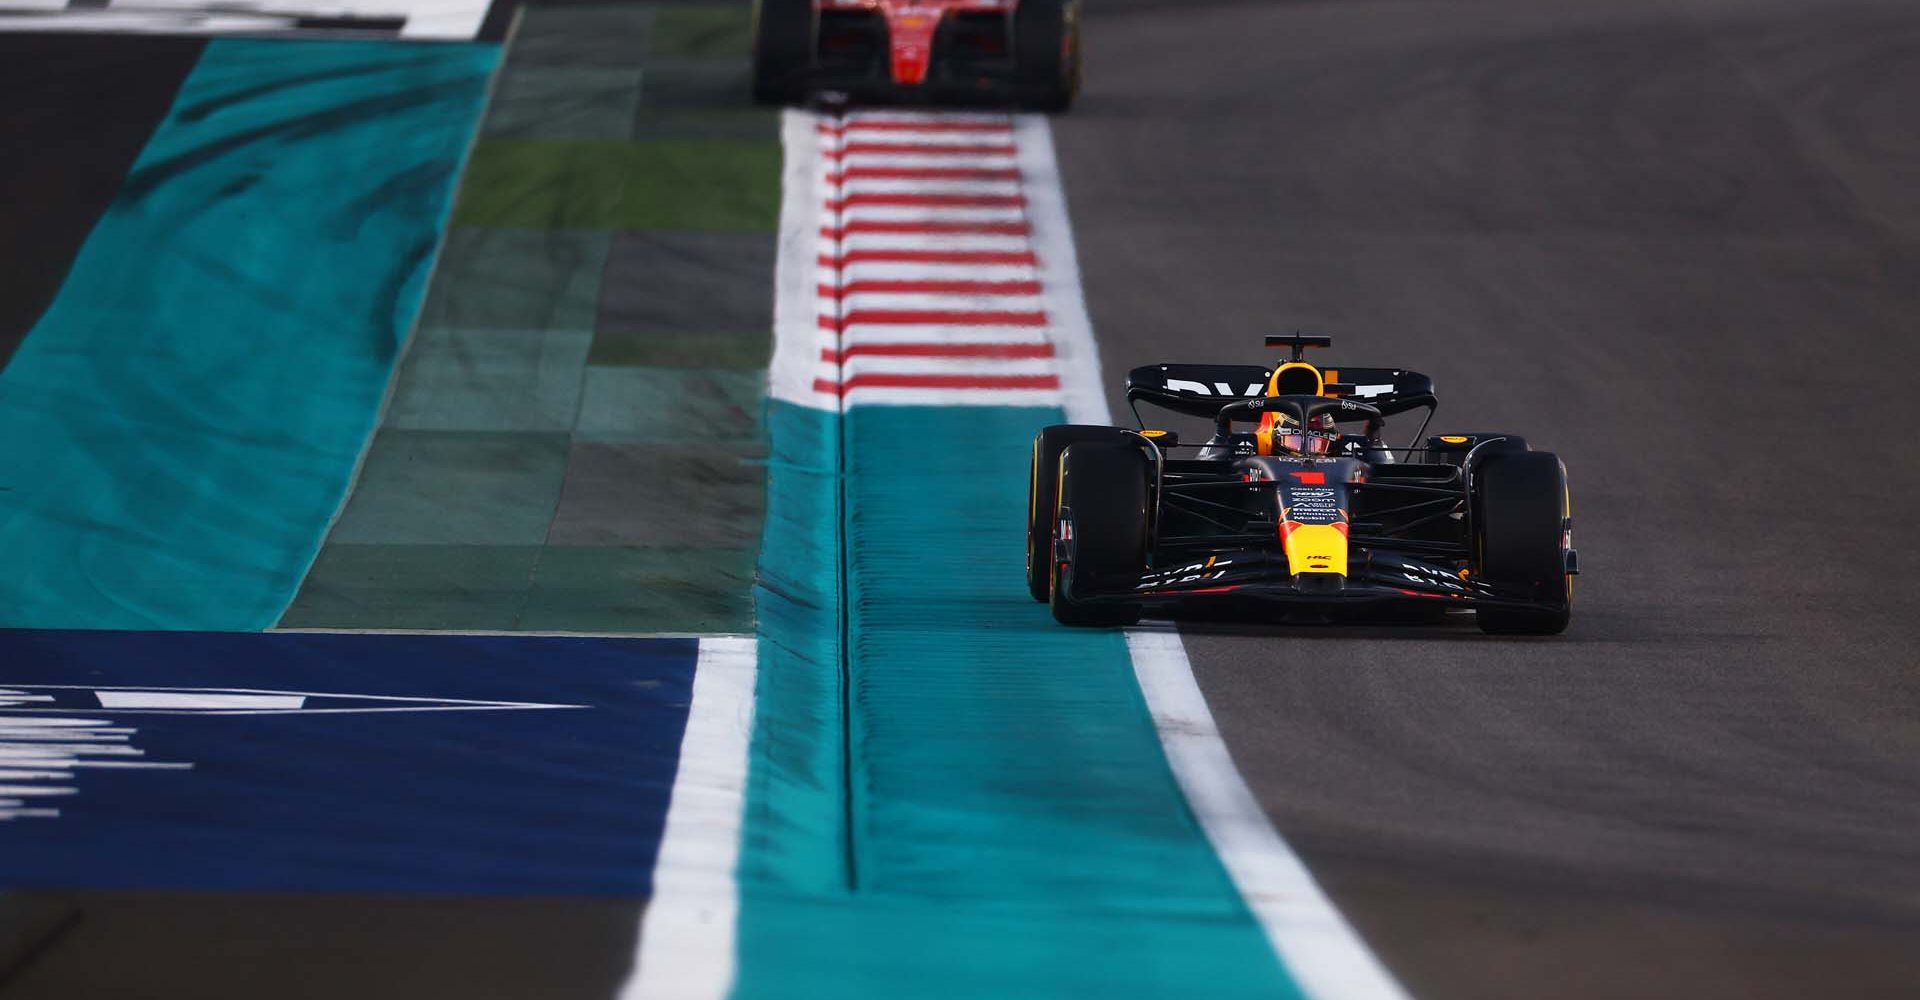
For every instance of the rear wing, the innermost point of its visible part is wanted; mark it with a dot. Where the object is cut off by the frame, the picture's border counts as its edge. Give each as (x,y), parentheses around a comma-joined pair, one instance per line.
(1201,390)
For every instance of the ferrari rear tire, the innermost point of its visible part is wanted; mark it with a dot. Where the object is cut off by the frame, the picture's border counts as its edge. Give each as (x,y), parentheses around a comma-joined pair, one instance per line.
(1042,478)
(1046,47)
(1102,491)
(1521,517)
(782,50)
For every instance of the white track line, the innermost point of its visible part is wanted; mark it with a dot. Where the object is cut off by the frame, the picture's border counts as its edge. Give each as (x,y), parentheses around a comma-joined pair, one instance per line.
(1315,943)
(935,272)
(917,213)
(881,338)
(686,949)
(924,241)
(859,365)
(916,185)
(951,397)
(939,301)
(1076,354)
(973,161)
(858,118)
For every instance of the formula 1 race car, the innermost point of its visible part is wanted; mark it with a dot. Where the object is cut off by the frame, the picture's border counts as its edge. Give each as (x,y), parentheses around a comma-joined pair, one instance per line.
(1307,511)
(1019,52)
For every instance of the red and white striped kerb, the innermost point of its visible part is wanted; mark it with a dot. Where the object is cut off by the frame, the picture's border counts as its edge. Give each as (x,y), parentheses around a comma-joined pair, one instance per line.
(930,286)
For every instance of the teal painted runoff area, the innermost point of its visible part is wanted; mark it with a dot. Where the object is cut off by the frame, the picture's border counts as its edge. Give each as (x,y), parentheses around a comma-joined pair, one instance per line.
(1007,823)
(178,429)
(794,837)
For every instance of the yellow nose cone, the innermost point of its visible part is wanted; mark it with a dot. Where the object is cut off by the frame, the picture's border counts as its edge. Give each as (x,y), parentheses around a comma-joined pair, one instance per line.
(1316,548)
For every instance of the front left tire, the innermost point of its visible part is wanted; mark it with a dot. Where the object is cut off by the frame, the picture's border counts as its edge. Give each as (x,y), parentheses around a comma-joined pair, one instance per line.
(1102,490)
(1042,479)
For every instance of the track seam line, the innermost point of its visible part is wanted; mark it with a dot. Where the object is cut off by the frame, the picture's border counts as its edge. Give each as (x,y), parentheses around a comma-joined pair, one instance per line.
(835,205)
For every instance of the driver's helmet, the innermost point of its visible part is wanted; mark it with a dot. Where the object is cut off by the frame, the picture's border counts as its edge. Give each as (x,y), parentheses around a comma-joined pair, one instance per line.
(1280,434)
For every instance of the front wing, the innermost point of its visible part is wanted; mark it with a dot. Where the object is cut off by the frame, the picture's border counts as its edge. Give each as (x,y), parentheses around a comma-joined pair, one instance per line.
(1249,578)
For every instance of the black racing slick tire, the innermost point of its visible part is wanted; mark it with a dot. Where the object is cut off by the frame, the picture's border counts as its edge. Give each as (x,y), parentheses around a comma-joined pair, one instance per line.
(1046,48)
(1102,509)
(782,50)
(1521,519)
(1042,478)
(1445,452)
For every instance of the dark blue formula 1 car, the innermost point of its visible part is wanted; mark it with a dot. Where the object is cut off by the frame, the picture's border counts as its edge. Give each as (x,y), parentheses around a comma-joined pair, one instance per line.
(1294,506)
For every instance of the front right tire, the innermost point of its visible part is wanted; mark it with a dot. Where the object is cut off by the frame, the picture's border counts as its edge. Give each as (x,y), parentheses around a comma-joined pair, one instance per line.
(1046,47)
(1521,519)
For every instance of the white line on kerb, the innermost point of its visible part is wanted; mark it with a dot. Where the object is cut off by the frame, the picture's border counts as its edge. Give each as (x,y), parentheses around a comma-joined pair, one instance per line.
(1077,356)
(797,273)
(1320,950)
(686,949)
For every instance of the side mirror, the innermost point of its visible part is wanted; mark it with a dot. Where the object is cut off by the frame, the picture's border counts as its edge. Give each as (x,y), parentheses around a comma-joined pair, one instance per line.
(1163,439)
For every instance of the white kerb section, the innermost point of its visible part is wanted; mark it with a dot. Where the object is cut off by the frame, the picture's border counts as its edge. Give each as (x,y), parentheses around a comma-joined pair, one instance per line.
(925,259)
(687,939)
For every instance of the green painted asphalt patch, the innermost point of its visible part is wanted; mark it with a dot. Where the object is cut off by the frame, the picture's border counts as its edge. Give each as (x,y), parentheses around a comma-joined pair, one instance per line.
(718,33)
(1008,824)
(534,588)
(574,440)
(182,422)
(565,103)
(490,380)
(721,184)
(687,299)
(536,281)
(713,406)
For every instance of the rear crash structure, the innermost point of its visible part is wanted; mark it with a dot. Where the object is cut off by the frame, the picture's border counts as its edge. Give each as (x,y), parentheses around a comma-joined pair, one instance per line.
(1023,53)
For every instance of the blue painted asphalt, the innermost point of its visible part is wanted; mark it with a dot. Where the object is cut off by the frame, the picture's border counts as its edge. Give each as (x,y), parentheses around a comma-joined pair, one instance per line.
(347,794)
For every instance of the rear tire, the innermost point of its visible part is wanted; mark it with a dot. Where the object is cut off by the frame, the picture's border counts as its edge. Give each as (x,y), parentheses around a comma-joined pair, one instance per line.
(1046,47)
(1042,478)
(1520,519)
(1103,494)
(782,50)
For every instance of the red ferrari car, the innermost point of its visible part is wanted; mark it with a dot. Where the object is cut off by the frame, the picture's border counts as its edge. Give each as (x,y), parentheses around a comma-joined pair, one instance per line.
(1020,52)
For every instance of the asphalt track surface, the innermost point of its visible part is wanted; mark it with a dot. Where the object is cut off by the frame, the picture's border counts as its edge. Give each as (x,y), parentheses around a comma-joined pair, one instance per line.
(1678,243)
(241,946)
(84,106)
